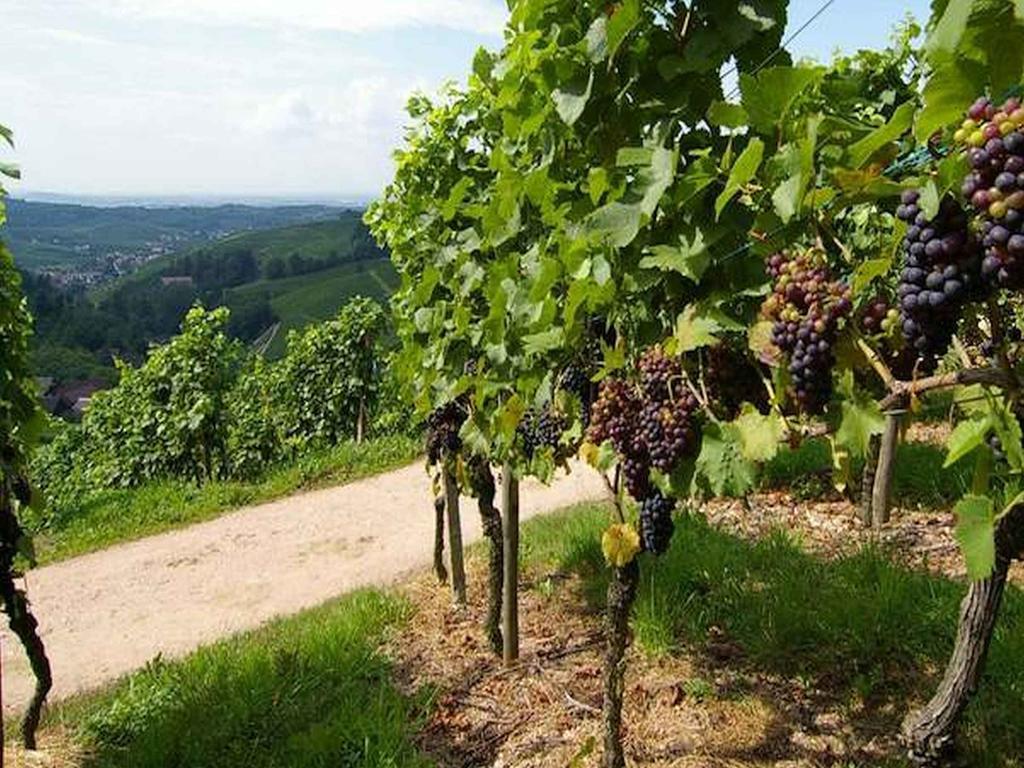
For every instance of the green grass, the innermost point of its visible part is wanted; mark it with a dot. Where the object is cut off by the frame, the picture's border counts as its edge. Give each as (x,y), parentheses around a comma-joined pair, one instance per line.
(918,477)
(861,627)
(121,515)
(304,299)
(311,691)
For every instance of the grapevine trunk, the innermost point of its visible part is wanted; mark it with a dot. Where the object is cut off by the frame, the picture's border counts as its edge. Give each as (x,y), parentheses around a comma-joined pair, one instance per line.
(930,733)
(621,594)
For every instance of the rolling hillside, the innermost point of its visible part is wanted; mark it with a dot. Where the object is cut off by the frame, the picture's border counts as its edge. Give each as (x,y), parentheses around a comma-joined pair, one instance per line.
(281,278)
(299,301)
(69,236)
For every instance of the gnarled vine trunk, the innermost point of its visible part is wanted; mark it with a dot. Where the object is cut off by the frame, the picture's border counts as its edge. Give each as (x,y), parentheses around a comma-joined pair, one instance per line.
(482,478)
(930,733)
(621,594)
(439,568)
(22,623)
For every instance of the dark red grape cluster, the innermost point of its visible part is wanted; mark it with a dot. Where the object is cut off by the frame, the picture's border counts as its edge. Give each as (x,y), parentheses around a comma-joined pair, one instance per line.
(878,316)
(806,307)
(656,526)
(995,186)
(941,274)
(541,429)
(443,427)
(733,379)
(652,424)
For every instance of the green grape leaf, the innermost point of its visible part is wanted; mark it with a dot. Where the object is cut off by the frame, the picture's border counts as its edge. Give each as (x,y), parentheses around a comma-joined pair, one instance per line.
(721,465)
(743,170)
(760,435)
(899,123)
(867,271)
(621,24)
(538,343)
(571,101)
(975,532)
(966,436)
(861,419)
(951,88)
(949,30)
(727,115)
(695,329)
(690,260)
(768,95)
(929,200)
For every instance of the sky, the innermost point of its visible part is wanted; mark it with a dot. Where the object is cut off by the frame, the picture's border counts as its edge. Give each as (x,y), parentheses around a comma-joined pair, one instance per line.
(299,99)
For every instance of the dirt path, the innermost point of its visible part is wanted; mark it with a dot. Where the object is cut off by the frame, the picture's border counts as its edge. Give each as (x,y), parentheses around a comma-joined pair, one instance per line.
(110,612)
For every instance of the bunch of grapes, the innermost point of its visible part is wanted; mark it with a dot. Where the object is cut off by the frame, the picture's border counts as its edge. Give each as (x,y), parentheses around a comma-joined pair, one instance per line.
(656,526)
(576,380)
(443,427)
(994,137)
(734,379)
(541,429)
(941,274)
(806,307)
(878,317)
(651,424)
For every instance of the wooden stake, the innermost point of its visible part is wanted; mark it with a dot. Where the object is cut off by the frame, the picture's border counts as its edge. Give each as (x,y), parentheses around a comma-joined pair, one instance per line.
(451,494)
(510,591)
(881,495)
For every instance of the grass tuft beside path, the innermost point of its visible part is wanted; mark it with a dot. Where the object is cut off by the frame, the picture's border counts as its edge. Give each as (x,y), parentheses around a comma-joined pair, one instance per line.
(114,516)
(310,691)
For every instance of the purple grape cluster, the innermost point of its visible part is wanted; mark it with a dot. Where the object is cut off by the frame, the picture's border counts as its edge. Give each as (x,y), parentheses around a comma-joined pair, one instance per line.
(995,186)
(443,427)
(656,526)
(941,274)
(806,307)
(541,429)
(652,424)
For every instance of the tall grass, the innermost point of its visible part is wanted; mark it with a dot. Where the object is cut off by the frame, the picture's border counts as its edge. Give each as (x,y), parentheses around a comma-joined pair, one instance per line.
(870,631)
(312,691)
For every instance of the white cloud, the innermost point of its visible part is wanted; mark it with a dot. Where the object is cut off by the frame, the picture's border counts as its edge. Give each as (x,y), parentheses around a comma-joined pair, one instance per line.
(480,16)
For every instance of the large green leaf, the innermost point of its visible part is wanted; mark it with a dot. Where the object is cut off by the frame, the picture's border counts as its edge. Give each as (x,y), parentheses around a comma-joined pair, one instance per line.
(965,438)
(727,115)
(898,124)
(861,419)
(721,465)
(952,87)
(743,170)
(621,23)
(572,100)
(690,259)
(975,531)
(768,95)
(760,434)
(950,28)
(696,328)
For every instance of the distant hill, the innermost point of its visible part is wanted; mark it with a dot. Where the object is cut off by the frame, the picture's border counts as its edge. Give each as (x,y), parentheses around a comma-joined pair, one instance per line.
(277,279)
(46,235)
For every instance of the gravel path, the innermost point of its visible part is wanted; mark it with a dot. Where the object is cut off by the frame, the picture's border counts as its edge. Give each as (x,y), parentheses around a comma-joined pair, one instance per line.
(107,613)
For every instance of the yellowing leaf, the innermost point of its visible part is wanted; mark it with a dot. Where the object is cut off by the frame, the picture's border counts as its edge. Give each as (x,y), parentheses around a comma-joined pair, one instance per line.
(620,544)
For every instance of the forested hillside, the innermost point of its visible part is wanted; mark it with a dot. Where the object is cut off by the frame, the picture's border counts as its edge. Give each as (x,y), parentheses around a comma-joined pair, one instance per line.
(272,280)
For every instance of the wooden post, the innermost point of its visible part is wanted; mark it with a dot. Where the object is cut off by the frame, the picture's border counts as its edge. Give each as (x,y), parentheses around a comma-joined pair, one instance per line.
(361,421)
(881,495)
(451,494)
(867,484)
(510,591)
